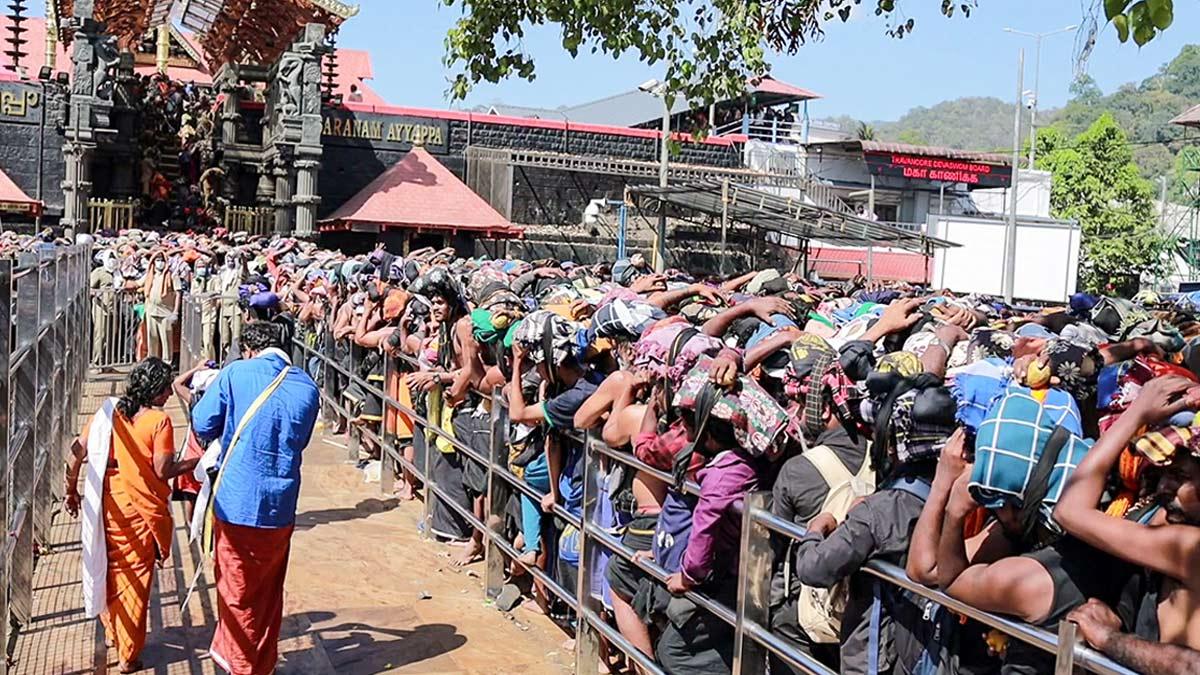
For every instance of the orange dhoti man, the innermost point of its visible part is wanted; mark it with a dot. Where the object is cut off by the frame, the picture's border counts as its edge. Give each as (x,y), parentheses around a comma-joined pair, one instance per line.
(133,509)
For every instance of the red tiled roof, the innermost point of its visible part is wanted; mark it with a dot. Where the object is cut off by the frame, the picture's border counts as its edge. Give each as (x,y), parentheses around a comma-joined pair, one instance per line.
(35,48)
(770,85)
(846,263)
(419,193)
(13,199)
(354,67)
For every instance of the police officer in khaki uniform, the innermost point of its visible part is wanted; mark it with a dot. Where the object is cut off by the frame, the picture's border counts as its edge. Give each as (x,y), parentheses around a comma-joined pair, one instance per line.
(231,276)
(161,303)
(205,289)
(103,286)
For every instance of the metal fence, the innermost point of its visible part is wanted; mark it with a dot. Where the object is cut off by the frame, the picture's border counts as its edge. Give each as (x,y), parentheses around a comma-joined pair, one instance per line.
(115,327)
(112,214)
(43,360)
(252,219)
(749,618)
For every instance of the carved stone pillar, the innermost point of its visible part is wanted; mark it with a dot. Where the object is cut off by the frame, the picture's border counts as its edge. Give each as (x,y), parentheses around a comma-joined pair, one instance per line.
(94,57)
(76,186)
(283,199)
(228,79)
(294,130)
(307,200)
(264,192)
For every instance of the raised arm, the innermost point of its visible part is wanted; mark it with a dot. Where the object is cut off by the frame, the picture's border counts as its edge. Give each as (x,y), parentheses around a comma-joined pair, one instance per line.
(923,546)
(776,341)
(1173,550)
(600,403)
(898,316)
(518,411)
(763,308)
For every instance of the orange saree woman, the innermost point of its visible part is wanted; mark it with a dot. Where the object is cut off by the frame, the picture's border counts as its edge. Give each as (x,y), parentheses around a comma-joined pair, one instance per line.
(130,445)
(137,524)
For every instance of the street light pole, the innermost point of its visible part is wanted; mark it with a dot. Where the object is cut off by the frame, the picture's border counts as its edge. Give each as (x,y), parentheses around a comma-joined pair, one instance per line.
(660,237)
(1010,232)
(1037,78)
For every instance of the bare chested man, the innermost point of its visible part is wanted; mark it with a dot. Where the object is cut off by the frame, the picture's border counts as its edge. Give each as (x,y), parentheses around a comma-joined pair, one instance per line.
(1169,544)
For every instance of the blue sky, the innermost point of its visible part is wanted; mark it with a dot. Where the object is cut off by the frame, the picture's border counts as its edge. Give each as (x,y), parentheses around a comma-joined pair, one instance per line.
(860,71)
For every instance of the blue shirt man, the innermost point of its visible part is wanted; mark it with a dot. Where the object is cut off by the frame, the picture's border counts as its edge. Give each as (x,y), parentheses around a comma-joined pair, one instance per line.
(261,484)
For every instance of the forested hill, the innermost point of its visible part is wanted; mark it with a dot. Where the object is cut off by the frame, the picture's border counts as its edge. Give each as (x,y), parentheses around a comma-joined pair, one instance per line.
(1142,109)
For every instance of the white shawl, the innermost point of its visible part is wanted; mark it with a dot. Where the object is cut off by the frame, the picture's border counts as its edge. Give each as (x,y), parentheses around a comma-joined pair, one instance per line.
(95,553)
(208,461)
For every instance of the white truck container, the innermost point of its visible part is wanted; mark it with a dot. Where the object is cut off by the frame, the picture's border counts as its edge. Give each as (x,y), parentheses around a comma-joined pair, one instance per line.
(1047,256)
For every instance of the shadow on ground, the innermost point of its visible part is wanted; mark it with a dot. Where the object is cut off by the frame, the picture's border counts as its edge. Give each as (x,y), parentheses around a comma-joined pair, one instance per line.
(365,508)
(365,647)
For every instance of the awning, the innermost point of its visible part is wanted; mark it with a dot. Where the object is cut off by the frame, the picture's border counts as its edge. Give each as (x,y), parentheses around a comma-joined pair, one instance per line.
(793,216)
(879,265)
(13,199)
(768,85)
(419,193)
(1189,118)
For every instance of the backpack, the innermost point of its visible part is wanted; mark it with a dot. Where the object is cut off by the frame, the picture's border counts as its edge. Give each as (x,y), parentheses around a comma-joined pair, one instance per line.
(820,609)
(929,646)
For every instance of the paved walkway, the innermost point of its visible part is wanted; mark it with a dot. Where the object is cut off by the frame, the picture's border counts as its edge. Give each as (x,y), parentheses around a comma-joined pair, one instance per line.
(365,594)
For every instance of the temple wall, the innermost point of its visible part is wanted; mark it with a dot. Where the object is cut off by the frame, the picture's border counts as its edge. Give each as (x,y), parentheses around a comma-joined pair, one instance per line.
(28,120)
(360,146)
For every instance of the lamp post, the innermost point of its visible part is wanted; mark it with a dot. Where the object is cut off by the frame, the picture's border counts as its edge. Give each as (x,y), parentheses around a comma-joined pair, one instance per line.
(1010,231)
(1037,67)
(659,89)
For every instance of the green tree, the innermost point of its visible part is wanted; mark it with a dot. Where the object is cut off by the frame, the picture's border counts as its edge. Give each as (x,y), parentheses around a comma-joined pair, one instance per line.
(1185,178)
(1182,75)
(865,132)
(1097,183)
(709,47)
(1084,88)
(912,137)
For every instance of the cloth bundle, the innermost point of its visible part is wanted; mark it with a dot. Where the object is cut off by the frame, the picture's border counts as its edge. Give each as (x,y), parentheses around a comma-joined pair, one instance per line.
(757,420)
(1012,462)
(914,422)
(547,337)
(625,320)
(815,380)
(653,350)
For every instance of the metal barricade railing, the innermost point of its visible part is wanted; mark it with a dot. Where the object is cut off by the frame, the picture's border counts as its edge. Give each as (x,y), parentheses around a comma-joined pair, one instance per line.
(116,323)
(252,219)
(43,362)
(200,339)
(112,214)
(749,618)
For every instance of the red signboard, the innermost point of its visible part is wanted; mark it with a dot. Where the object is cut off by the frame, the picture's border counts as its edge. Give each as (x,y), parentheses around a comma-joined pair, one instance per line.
(938,169)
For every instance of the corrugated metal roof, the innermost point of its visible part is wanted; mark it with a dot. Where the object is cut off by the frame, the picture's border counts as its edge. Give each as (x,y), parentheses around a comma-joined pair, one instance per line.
(796,217)
(623,110)
(530,112)
(922,151)
(632,108)
(419,193)
(1190,118)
